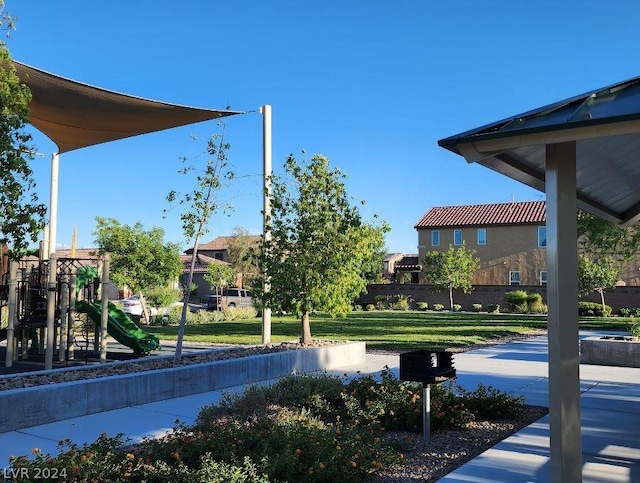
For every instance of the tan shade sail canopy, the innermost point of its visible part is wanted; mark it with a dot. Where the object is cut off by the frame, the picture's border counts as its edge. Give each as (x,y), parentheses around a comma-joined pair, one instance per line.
(75,115)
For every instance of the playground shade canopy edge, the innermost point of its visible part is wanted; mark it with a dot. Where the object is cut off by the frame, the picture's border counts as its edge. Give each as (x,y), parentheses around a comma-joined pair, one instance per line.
(76,115)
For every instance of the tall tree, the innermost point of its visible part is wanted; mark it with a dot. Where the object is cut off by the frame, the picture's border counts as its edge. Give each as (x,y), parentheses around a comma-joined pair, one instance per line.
(200,204)
(240,248)
(597,276)
(21,216)
(318,245)
(373,236)
(140,258)
(451,270)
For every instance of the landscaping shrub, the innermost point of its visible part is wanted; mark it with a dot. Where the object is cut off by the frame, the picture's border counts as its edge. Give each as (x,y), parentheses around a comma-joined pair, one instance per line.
(457,307)
(370,308)
(594,309)
(538,308)
(357,308)
(401,304)
(516,301)
(388,403)
(487,402)
(493,308)
(635,330)
(476,308)
(303,428)
(381,302)
(626,312)
(448,410)
(438,307)
(106,460)
(422,306)
(159,320)
(162,296)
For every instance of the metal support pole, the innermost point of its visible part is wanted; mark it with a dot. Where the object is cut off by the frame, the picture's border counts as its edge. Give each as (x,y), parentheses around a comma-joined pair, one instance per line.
(104,319)
(562,299)
(426,412)
(266,220)
(53,204)
(12,306)
(51,312)
(71,316)
(64,308)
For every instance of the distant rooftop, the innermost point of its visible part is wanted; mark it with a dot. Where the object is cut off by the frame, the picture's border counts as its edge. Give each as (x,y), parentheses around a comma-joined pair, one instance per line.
(514,213)
(222,243)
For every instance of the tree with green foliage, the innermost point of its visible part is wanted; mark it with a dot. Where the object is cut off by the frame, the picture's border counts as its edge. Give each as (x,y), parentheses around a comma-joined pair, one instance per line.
(597,275)
(451,270)
(140,259)
(240,249)
(200,204)
(316,246)
(21,216)
(219,275)
(372,265)
(604,239)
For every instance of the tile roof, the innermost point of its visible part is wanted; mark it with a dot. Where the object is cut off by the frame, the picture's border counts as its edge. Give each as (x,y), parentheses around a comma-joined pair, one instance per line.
(202,263)
(514,213)
(221,243)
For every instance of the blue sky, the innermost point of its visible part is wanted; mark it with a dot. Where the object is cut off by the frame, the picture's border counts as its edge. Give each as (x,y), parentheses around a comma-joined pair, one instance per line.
(372,85)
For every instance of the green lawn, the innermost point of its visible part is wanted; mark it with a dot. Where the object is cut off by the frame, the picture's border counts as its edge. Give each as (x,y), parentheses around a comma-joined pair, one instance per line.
(386,329)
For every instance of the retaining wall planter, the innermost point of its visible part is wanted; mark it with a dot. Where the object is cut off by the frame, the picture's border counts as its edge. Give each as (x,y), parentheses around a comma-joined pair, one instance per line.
(37,405)
(610,351)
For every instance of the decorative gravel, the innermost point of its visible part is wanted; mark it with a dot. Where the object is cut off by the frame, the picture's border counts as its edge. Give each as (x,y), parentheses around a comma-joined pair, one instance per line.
(447,450)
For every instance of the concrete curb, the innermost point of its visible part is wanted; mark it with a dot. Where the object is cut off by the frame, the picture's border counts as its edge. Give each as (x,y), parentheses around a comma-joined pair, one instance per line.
(46,404)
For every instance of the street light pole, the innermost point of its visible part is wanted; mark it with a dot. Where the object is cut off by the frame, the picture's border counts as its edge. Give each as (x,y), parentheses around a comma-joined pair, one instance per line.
(53,205)
(266,217)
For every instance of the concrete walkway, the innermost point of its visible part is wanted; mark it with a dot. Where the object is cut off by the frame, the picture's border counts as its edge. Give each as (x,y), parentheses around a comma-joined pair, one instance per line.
(610,417)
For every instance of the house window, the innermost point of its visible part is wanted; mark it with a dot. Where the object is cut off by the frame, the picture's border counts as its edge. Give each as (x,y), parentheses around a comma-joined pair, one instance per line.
(482,236)
(435,238)
(542,236)
(457,237)
(543,277)
(514,277)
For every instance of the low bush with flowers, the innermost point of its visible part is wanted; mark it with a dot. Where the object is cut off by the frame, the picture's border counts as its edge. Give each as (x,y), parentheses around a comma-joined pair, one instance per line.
(315,428)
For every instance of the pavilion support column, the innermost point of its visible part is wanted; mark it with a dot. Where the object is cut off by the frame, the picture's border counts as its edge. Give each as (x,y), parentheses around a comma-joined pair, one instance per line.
(562,300)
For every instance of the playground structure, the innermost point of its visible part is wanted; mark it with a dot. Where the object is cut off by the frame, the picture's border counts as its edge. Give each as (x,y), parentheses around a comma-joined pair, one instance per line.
(61,303)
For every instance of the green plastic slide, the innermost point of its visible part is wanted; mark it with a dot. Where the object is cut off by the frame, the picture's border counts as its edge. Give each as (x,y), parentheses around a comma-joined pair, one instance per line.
(120,326)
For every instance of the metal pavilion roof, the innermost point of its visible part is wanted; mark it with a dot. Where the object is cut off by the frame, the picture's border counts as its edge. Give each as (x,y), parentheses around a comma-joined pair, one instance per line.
(605,123)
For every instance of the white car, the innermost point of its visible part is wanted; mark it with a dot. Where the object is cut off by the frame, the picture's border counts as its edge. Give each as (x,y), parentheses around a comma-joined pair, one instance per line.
(131,305)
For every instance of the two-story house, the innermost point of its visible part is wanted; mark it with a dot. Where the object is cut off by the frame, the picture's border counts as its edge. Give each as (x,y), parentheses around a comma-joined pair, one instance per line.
(215,251)
(508,238)
(218,248)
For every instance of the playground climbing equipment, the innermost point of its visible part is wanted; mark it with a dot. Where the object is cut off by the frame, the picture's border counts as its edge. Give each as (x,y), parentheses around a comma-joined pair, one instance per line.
(47,301)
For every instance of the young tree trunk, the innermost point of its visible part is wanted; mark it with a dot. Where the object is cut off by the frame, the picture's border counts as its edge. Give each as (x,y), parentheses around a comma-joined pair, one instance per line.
(305,338)
(601,290)
(451,299)
(145,310)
